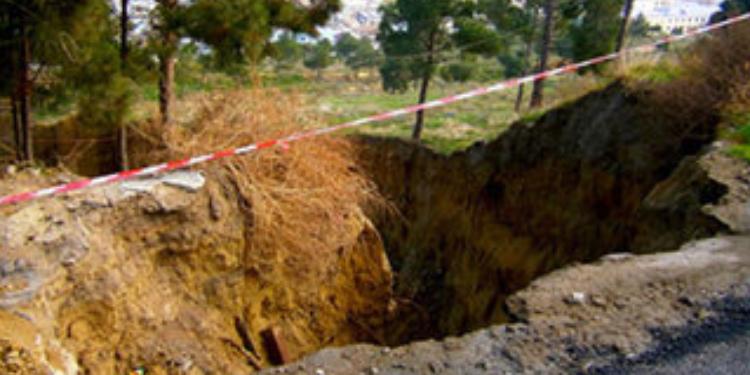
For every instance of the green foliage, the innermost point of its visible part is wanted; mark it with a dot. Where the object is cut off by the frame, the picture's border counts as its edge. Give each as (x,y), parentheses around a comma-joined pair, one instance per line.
(319,56)
(396,75)
(730,8)
(594,32)
(286,79)
(104,107)
(475,37)
(365,56)
(742,149)
(413,33)
(239,31)
(458,72)
(662,72)
(504,15)
(103,94)
(514,63)
(75,54)
(357,53)
(744,133)
(518,30)
(488,70)
(49,25)
(191,66)
(346,46)
(288,51)
(740,133)
(640,28)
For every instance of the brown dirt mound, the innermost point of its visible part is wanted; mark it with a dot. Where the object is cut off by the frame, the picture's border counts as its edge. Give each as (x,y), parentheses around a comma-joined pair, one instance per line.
(180,282)
(172,281)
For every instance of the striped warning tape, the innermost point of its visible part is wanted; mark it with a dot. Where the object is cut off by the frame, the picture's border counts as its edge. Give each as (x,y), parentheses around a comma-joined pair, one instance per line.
(283,142)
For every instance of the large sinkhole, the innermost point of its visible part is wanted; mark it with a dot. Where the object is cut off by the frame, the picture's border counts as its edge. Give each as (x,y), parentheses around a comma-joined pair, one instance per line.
(176,278)
(606,175)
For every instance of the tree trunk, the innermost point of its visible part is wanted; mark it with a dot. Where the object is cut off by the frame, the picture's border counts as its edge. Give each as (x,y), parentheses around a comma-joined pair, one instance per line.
(16,127)
(527,56)
(24,99)
(419,124)
(166,65)
(537,96)
(123,162)
(124,20)
(519,98)
(624,25)
(166,87)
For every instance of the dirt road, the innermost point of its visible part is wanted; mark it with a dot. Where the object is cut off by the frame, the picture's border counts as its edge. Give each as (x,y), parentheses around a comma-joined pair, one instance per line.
(718,348)
(663,313)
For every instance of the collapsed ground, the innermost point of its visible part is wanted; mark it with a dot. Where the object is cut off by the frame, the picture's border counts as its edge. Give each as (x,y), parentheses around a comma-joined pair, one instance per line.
(203,274)
(600,176)
(166,280)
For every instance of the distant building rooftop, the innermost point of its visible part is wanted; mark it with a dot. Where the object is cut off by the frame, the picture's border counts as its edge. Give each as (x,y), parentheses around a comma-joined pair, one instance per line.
(676,14)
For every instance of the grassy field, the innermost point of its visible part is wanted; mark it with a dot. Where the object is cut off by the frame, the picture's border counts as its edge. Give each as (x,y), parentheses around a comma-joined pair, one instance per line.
(448,129)
(339,97)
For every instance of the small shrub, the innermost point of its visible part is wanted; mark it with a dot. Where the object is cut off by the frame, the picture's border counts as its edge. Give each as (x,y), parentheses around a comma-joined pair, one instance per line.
(712,72)
(458,72)
(663,71)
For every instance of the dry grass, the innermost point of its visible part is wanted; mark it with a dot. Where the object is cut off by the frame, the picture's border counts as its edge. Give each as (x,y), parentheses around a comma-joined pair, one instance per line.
(714,68)
(688,90)
(304,200)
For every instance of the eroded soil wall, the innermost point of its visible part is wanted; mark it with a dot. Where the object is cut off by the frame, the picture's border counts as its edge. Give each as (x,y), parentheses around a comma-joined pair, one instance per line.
(605,175)
(168,280)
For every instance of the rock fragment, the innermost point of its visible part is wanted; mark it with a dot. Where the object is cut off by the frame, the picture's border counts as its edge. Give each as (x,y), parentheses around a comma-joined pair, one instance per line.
(576,298)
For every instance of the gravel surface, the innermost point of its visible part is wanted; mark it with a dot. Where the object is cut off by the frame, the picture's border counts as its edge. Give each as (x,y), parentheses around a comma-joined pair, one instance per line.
(673,313)
(720,346)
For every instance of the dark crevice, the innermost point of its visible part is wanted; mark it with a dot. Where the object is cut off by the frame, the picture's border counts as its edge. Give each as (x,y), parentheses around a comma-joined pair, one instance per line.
(597,177)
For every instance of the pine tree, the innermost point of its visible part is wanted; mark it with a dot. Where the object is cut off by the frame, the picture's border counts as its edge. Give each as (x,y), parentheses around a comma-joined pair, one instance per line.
(595,31)
(8,68)
(346,46)
(627,11)
(27,29)
(319,57)
(520,23)
(640,27)
(365,56)
(730,8)
(167,47)
(357,53)
(550,9)
(240,31)
(122,155)
(287,50)
(422,30)
(96,74)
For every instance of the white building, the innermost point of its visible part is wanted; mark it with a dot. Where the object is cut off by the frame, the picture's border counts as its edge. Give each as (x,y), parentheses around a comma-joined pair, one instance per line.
(676,14)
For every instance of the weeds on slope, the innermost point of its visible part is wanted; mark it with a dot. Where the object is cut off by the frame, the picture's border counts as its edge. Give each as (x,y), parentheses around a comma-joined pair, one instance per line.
(736,113)
(695,89)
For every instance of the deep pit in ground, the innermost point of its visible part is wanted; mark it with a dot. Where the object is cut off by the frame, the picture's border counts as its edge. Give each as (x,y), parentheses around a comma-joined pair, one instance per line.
(170,280)
(604,175)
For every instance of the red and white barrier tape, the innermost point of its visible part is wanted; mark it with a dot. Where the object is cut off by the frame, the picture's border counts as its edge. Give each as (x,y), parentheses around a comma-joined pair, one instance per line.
(283,142)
